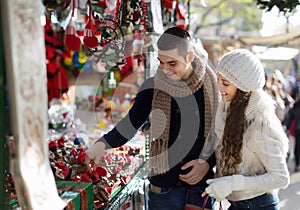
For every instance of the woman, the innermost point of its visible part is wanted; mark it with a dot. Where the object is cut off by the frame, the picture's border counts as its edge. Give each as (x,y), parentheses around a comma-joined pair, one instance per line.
(251,164)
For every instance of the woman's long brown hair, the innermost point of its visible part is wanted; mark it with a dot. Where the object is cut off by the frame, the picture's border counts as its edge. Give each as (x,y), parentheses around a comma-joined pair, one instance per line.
(232,140)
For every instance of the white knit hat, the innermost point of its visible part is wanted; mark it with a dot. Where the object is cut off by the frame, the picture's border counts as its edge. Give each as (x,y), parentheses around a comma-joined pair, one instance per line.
(243,69)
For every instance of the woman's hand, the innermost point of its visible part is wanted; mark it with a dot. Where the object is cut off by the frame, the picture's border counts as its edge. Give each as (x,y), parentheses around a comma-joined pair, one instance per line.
(219,188)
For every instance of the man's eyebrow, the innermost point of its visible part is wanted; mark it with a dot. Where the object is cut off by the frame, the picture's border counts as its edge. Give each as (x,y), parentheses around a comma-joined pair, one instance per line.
(174,61)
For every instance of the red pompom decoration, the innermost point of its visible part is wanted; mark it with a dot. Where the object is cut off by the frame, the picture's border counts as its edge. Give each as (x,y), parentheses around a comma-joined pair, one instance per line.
(95,176)
(101,171)
(89,39)
(60,164)
(65,171)
(81,158)
(169,4)
(52,145)
(71,41)
(61,142)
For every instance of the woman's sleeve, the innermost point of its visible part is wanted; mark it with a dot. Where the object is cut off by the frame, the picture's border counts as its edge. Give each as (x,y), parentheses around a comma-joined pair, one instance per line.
(270,148)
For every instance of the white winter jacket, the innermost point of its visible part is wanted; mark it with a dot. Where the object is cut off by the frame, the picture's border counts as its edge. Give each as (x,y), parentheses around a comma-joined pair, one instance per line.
(263,167)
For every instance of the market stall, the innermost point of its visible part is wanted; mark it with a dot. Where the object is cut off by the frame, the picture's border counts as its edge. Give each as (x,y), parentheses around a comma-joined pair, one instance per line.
(73,69)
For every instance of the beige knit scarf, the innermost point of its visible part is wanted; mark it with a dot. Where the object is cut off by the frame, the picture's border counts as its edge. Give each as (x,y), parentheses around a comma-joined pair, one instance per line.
(164,90)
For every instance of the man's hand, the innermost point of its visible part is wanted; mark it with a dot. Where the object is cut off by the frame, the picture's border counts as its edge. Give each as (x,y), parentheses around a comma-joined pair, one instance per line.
(95,153)
(199,170)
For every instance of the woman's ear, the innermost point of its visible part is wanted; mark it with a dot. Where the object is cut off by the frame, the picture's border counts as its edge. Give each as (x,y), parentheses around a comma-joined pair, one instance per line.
(190,57)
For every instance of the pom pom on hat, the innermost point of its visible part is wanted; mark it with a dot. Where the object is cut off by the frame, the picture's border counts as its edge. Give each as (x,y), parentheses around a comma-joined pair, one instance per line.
(243,69)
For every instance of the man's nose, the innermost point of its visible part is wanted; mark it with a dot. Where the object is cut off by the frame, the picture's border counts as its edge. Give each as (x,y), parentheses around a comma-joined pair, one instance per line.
(167,68)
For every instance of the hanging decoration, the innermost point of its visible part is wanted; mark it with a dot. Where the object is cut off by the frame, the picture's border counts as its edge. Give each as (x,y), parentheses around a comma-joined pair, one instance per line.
(71,40)
(98,6)
(103,37)
(59,8)
(57,82)
(133,14)
(182,14)
(89,39)
(110,9)
(175,12)
(139,38)
(138,44)
(146,22)
(110,44)
(168,12)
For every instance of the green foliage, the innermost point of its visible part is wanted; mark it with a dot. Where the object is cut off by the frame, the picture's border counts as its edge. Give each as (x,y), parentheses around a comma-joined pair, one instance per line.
(284,6)
(228,16)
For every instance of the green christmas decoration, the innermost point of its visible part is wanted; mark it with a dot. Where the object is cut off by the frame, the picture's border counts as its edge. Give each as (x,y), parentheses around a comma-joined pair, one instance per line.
(54,4)
(110,49)
(98,6)
(9,186)
(134,14)
(59,8)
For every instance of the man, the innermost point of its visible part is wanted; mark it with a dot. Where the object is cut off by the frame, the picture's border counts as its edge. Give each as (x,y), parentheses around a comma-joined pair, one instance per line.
(180,100)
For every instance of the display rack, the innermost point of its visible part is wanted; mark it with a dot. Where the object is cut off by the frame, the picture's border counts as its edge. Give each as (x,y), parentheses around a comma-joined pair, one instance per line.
(128,190)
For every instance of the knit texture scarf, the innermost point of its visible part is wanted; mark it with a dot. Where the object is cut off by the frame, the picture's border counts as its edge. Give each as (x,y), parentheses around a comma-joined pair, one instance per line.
(164,90)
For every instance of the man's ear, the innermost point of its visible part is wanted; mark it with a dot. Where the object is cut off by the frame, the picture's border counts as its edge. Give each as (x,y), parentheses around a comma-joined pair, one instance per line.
(190,57)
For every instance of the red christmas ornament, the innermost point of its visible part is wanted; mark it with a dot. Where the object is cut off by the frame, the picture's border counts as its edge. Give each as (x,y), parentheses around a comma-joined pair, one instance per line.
(95,176)
(74,152)
(60,164)
(71,40)
(61,142)
(101,171)
(181,17)
(89,39)
(52,144)
(65,171)
(81,158)
(102,3)
(169,4)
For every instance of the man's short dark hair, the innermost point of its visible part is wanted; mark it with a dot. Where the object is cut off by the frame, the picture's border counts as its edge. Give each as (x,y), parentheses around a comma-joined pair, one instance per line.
(173,38)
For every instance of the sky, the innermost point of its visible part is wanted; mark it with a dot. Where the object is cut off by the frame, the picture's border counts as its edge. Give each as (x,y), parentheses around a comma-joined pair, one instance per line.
(274,24)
